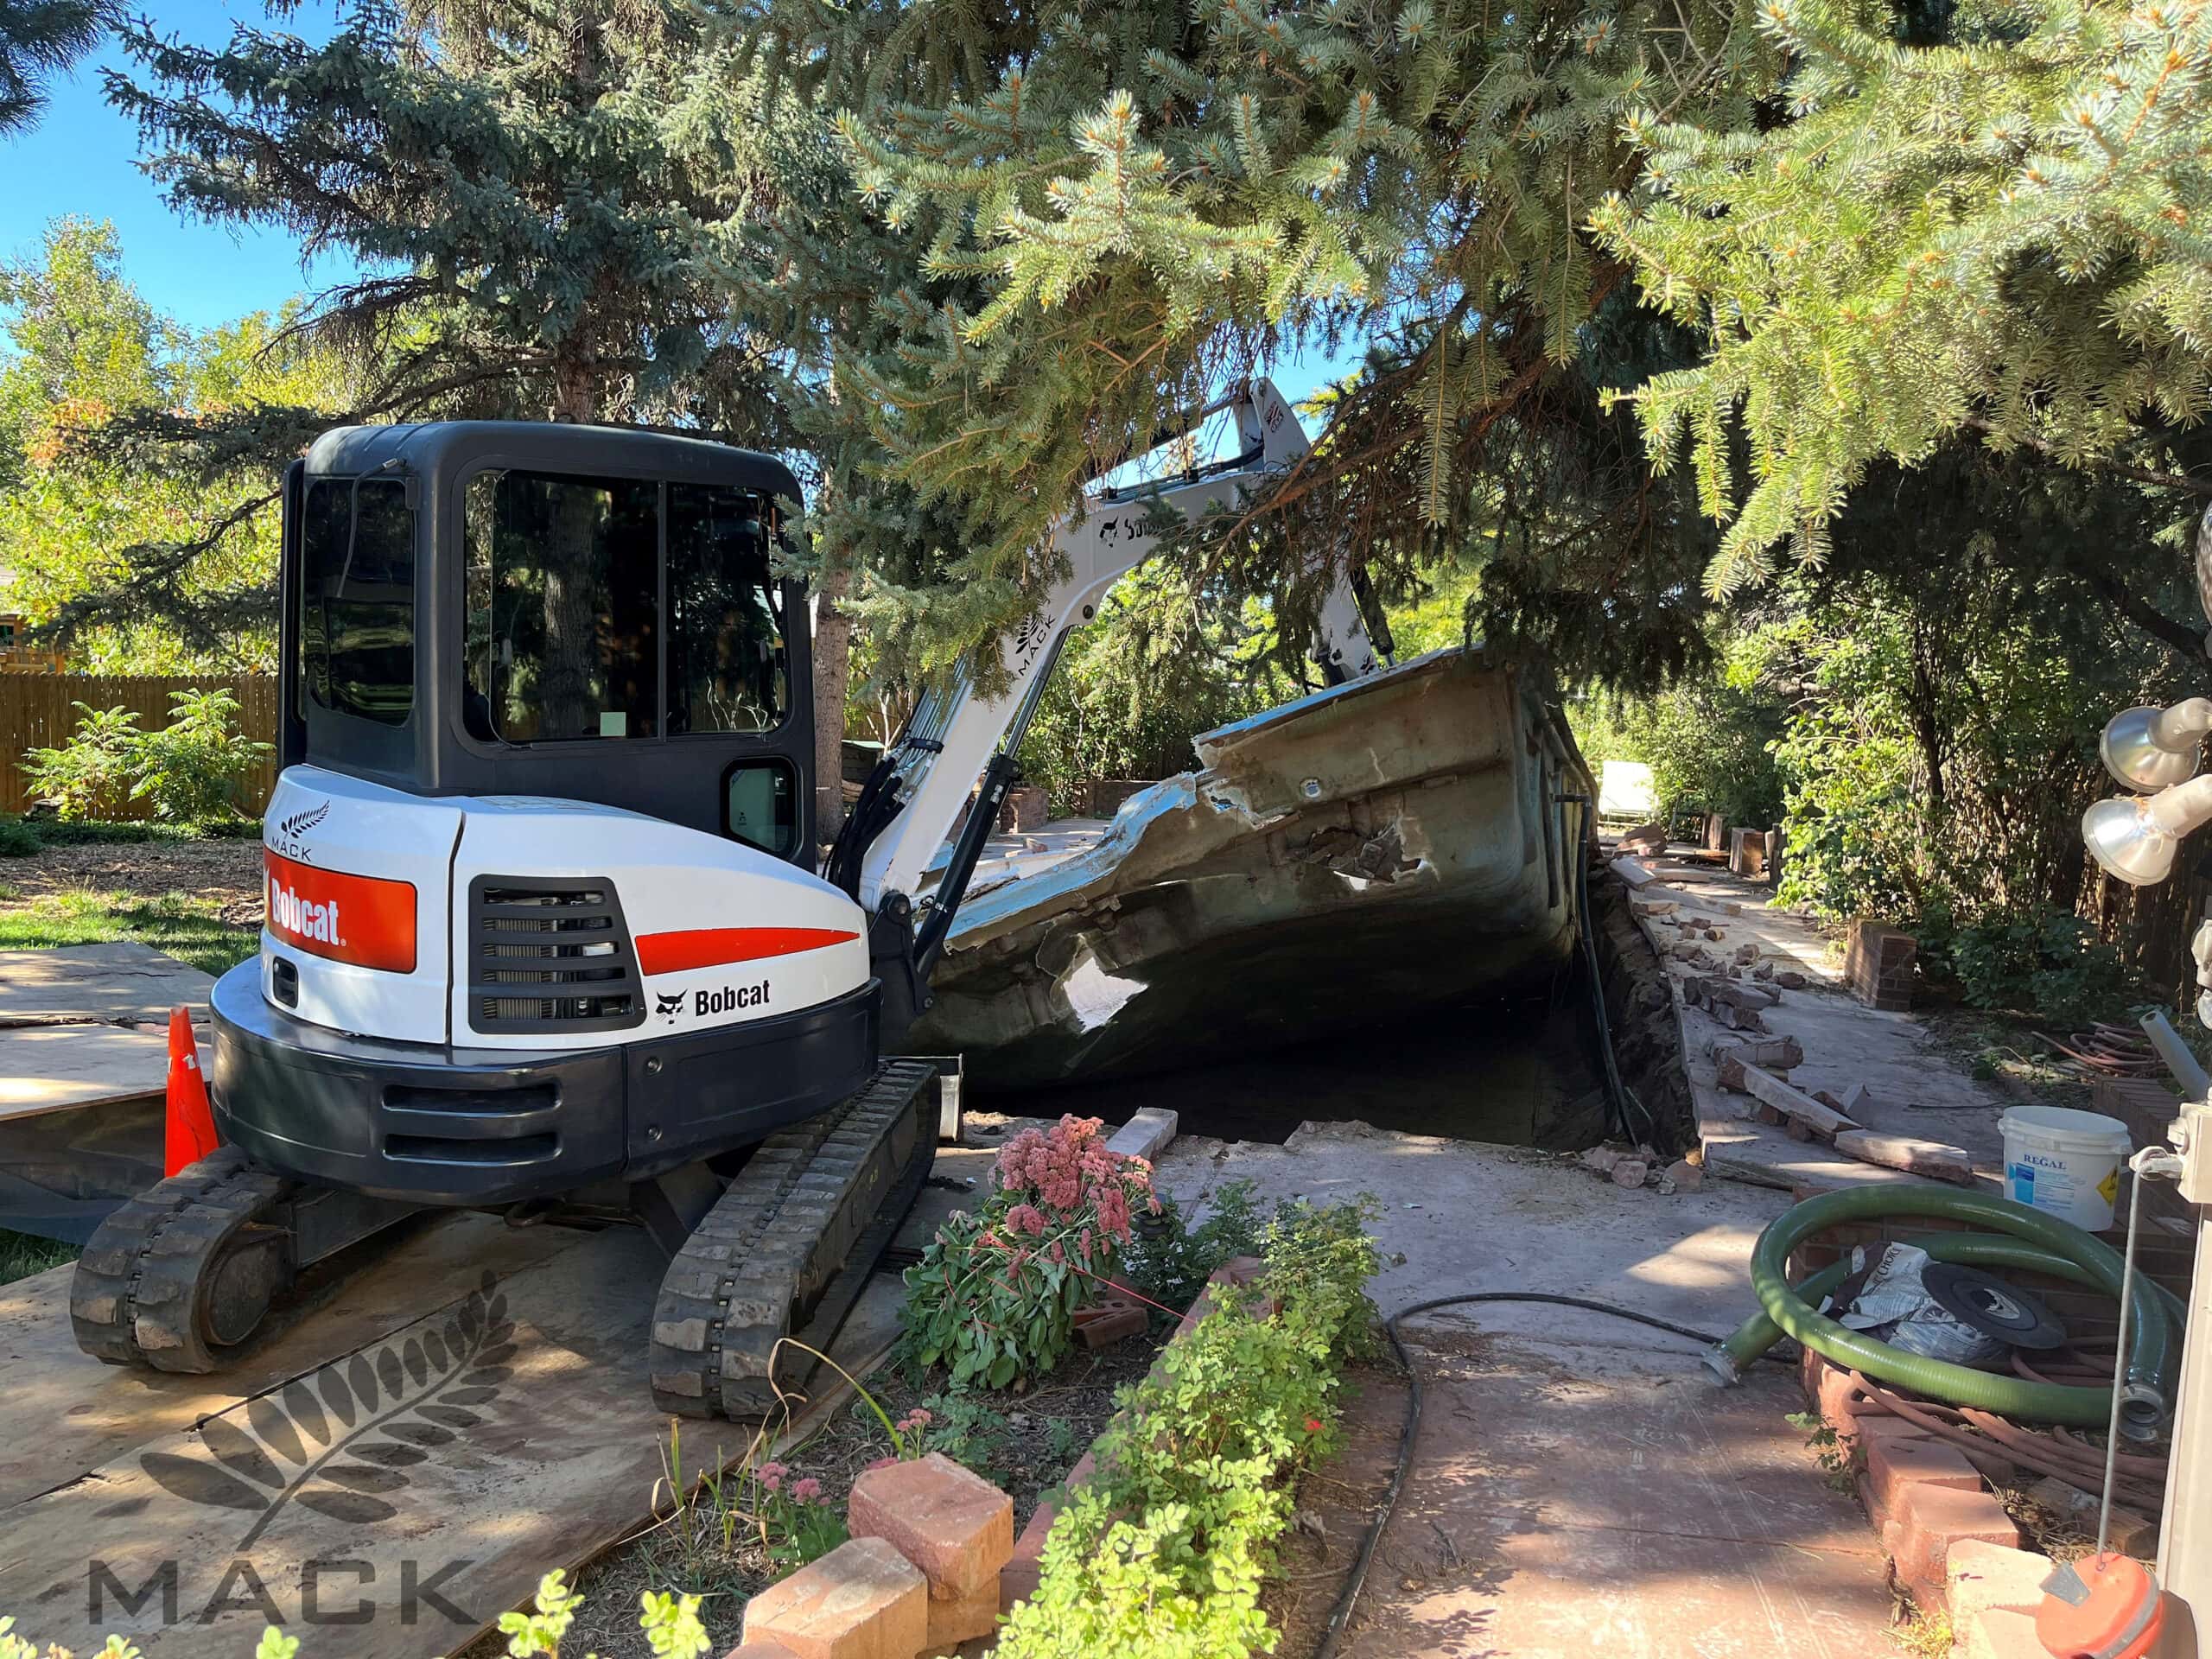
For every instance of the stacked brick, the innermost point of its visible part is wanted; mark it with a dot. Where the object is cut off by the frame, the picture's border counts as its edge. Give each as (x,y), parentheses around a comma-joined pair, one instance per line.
(919,1574)
(1923,1497)
(1878,963)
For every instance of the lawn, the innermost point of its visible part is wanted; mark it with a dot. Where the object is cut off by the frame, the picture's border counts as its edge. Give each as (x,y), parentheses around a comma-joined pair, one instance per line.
(22,1255)
(187,928)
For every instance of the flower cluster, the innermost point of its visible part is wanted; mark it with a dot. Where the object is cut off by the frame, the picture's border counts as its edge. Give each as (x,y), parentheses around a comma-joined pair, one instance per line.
(1069,1175)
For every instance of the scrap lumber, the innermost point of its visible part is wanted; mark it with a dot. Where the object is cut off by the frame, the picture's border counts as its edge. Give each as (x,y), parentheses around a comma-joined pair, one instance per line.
(1908,1153)
(1636,875)
(1798,1111)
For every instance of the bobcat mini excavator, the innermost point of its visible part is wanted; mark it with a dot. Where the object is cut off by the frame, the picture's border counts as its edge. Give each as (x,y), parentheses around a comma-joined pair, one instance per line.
(543,933)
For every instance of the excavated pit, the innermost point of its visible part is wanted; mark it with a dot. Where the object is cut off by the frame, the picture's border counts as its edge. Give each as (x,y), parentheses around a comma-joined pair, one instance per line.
(1514,1070)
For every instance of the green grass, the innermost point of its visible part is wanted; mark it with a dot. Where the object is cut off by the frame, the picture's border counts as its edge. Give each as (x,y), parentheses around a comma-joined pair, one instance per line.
(177,924)
(22,837)
(22,1255)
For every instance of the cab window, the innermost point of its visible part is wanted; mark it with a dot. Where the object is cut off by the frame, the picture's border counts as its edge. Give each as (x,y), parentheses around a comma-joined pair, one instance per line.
(356,599)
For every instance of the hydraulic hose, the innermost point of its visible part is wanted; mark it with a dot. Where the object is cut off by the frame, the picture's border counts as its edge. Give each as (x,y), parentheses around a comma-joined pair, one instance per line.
(2029,1239)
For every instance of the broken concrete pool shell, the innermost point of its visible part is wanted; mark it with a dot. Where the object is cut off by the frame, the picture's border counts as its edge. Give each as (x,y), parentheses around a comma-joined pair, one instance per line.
(1394,844)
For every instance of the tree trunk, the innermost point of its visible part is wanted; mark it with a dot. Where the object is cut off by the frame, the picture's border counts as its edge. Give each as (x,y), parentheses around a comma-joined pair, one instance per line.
(833,666)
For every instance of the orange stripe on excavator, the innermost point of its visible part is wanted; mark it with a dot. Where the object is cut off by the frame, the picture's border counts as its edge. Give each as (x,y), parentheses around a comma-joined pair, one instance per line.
(711,947)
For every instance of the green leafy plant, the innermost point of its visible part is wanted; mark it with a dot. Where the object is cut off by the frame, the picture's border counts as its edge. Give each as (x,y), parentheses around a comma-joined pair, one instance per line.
(192,772)
(92,776)
(18,839)
(963,1427)
(2047,963)
(195,769)
(993,1299)
(1165,1548)
(1169,1262)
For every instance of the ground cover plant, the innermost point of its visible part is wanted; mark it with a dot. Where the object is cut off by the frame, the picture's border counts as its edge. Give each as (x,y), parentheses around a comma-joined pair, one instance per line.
(1166,1547)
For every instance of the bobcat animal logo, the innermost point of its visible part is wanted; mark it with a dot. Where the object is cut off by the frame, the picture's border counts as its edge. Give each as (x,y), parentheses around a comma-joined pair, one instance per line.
(341,1442)
(668,1007)
(300,823)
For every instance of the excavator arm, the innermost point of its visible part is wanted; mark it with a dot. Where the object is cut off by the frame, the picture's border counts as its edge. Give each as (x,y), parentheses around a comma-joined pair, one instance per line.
(957,736)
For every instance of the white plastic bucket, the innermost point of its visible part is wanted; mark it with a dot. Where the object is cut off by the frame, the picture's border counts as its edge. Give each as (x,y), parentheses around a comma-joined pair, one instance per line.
(2064,1163)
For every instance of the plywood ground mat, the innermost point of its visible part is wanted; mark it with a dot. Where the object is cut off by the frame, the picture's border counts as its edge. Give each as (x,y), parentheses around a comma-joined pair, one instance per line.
(386,1479)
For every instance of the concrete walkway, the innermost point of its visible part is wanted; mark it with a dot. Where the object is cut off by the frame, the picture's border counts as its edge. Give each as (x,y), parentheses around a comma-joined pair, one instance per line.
(1580,1485)
(1913,1088)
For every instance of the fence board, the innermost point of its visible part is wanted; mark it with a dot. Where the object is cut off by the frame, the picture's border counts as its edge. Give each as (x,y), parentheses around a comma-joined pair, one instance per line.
(36,713)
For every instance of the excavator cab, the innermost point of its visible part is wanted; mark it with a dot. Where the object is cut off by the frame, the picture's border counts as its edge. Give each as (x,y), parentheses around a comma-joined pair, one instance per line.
(495,607)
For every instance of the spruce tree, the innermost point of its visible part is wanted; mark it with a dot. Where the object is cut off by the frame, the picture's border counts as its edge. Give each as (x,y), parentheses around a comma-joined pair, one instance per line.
(539,238)
(39,38)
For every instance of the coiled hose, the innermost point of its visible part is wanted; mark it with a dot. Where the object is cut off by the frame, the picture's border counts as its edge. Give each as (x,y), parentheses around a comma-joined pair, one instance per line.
(2023,1238)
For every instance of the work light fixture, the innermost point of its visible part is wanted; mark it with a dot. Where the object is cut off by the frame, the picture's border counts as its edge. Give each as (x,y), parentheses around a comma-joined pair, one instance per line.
(2157,748)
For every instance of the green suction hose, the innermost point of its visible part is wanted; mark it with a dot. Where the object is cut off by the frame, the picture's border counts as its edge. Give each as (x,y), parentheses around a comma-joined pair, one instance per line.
(2029,1240)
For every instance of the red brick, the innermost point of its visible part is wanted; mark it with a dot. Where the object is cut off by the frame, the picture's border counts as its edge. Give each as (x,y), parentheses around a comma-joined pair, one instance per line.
(763,1648)
(952,1523)
(862,1600)
(1018,1578)
(1933,1518)
(1107,1323)
(1832,1393)
(952,1623)
(1895,1462)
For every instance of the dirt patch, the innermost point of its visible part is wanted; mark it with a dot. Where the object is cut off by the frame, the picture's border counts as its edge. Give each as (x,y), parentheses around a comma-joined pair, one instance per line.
(226,871)
(1334,1503)
(1025,1442)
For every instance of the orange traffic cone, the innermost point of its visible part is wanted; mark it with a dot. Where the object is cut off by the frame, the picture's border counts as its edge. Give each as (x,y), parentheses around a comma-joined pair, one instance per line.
(188,1133)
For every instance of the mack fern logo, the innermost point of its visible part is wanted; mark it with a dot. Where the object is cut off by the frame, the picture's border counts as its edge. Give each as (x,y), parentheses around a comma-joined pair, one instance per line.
(340,1441)
(300,823)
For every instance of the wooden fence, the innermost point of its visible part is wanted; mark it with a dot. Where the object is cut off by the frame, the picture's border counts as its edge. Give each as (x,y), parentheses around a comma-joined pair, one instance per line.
(36,713)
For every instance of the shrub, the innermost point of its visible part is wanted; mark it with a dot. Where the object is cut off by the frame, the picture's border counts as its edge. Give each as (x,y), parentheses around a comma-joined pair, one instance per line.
(1165,1548)
(193,770)
(91,777)
(1171,1262)
(18,839)
(2047,963)
(993,1299)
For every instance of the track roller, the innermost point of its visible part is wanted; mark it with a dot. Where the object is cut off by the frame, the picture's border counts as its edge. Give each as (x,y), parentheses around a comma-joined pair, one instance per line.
(180,1277)
(788,1248)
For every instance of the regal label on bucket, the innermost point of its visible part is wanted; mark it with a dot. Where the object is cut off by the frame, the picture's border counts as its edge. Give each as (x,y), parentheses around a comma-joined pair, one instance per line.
(365,920)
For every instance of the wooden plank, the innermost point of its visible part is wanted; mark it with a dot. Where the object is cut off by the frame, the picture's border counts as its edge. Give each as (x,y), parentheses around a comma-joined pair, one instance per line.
(51,1068)
(121,982)
(531,1441)
(1798,1107)
(1915,1156)
(1635,874)
(512,1361)
(63,1413)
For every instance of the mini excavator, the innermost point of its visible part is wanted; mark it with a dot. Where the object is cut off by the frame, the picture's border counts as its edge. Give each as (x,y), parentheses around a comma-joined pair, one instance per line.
(545,935)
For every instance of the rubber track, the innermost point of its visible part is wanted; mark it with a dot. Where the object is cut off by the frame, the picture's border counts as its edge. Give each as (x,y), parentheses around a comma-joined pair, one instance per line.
(789,1246)
(134,1298)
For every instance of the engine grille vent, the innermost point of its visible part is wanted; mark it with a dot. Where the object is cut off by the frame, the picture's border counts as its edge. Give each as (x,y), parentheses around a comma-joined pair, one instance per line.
(550,955)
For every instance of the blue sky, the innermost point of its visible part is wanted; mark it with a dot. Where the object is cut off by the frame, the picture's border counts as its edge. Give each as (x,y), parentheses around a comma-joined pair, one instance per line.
(82,159)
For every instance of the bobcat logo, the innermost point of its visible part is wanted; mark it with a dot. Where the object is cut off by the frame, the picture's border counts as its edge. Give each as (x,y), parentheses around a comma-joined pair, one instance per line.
(668,1007)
